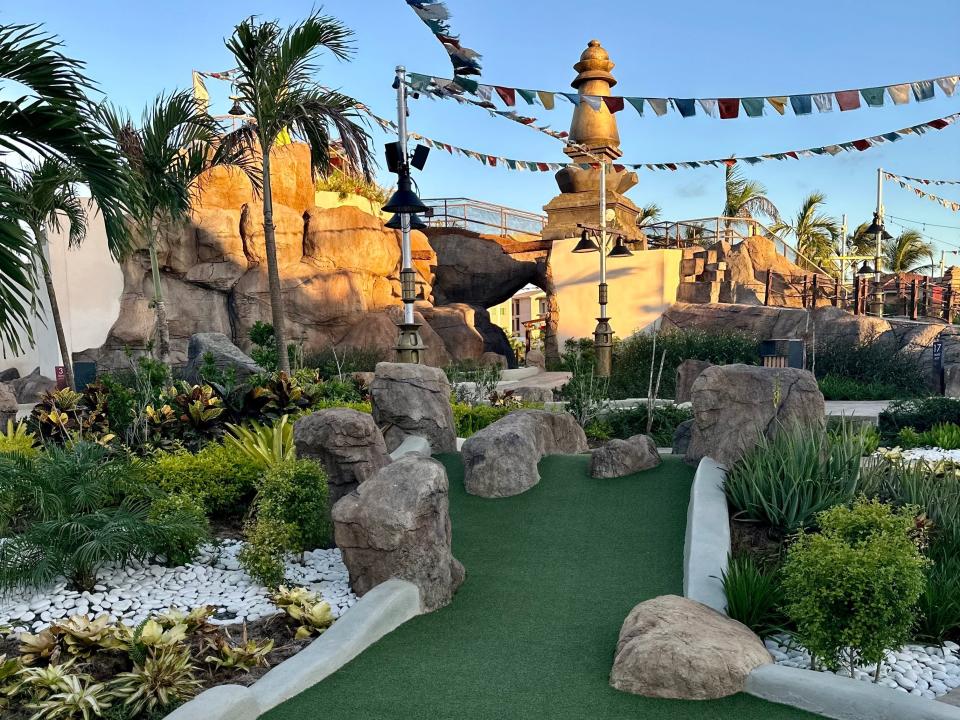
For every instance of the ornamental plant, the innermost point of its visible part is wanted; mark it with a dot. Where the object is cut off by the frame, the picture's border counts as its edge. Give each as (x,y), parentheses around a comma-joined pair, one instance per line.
(852,589)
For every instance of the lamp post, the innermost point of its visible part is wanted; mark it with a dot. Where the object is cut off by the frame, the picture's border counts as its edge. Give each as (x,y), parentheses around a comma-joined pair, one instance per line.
(405,204)
(603,333)
(876,229)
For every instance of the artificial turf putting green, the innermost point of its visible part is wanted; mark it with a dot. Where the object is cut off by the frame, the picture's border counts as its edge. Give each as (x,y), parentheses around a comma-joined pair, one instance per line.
(551,575)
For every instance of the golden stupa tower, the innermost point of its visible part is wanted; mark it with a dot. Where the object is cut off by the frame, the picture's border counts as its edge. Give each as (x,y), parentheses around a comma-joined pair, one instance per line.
(596,131)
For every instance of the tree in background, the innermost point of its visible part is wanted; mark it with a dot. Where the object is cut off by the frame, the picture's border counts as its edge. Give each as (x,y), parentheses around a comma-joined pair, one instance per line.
(815,232)
(275,86)
(905,252)
(746,198)
(649,214)
(45,114)
(45,191)
(176,143)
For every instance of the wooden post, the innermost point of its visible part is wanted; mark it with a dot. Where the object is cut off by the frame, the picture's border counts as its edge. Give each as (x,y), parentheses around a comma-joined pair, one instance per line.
(803,292)
(836,292)
(856,294)
(948,314)
(926,297)
(814,292)
(766,289)
(914,288)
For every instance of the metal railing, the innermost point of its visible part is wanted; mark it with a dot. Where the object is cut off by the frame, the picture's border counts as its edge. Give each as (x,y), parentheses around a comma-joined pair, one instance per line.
(707,231)
(483,217)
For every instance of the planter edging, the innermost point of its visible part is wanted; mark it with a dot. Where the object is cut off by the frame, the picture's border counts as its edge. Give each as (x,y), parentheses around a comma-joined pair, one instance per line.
(706,547)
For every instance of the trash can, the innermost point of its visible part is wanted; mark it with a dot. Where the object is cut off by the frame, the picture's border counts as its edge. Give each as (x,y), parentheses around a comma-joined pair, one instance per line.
(783,353)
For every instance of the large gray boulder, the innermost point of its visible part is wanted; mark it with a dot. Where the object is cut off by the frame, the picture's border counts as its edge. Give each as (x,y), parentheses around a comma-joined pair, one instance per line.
(413,399)
(225,356)
(619,458)
(673,647)
(733,405)
(397,524)
(681,437)
(687,372)
(346,442)
(32,387)
(501,460)
(8,406)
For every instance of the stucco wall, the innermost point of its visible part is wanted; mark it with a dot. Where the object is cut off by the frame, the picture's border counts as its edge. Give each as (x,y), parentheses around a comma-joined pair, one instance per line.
(641,288)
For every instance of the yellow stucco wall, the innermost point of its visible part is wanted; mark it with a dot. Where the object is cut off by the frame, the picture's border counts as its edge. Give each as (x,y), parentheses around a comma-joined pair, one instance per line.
(641,287)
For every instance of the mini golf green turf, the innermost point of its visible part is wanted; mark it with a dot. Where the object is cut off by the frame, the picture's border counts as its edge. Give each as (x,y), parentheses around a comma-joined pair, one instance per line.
(551,575)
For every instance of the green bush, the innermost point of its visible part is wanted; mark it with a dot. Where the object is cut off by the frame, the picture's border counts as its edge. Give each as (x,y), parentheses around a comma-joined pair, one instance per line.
(222,479)
(870,366)
(291,515)
(362,406)
(835,387)
(920,414)
(340,363)
(470,419)
(185,517)
(754,596)
(626,423)
(632,357)
(17,439)
(785,481)
(941,435)
(74,509)
(852,589)
(939,604)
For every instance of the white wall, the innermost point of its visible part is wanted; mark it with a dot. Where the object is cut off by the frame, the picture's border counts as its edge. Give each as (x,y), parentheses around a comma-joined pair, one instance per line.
(88,284)
(640,289)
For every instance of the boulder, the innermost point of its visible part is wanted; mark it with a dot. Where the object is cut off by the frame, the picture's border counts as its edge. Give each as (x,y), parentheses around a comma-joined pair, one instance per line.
(9,375)
(346,442)
(456,326)
(8,406)
(492,358)
(533,393)
(221,352)
(501,459)
(951,381)
(619,458)
(681,437)
(536,359)
(378,331)
(30,388)
(672,647)
(413,400)
(397,524)
(687,372)
(733,405)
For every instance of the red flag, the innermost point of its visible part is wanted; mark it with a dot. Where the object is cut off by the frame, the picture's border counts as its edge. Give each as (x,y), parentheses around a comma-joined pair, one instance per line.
(861,145)
(508,95)
(730,162)
(614,104)
(938,124)
(793,154)
(729,108)
(848,99)
(618,168)
(672,166)
(543,167)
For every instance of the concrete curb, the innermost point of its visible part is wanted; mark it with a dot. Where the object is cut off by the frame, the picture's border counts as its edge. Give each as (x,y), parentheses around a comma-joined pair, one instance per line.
(706,547)
(376,614)
(412,444)
(841,698)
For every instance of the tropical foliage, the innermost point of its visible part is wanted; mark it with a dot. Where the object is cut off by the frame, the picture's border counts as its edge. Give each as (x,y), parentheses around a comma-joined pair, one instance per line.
(815,233)
(746,198)
(907,252)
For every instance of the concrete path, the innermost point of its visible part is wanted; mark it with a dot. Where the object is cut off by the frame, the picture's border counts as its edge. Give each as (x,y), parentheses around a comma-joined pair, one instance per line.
(866,409)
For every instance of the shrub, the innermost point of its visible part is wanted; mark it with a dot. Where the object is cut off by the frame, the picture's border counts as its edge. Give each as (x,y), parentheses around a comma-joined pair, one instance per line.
(919,414)
(222,479)
(586,394)
(835,387)
(63,415)
(754,596)
(77,509)
(470,419)
(473,382)
(939,604)
(129,393)
(626,423)
(339,364)
(17,439)
(785,481)
(871,366)
(291,515)
(632,357)
(263,445)
(941,435)
(187,523)
(852,589)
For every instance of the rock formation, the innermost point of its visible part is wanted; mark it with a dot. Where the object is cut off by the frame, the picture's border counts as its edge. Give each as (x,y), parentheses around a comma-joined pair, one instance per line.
(619,458)
(397,524)
(733,405)
(223,354)
(501,459)
(672,647)
(687,372)
(346,442)
(413,400)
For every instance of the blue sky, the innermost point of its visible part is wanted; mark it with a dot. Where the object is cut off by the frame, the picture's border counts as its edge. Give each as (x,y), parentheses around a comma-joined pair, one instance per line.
(680,49)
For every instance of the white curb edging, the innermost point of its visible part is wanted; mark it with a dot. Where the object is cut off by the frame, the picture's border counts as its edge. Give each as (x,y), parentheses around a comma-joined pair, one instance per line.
(706,547)
(706,551)
(376,614)
(841,698)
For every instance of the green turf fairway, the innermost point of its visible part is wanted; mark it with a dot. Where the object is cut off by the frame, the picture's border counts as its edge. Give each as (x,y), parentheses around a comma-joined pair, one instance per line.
(551,575)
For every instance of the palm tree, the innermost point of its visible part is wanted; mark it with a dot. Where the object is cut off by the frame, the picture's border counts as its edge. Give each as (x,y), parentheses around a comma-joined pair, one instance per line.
(275,87)
(46,190)
(45,113)
(816,233)
(166,156)
(904,252)
(649,214)
(861,242)
(745,197)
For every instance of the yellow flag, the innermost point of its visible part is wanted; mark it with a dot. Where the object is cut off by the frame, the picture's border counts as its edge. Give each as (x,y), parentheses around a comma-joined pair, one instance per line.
(200,94)
(283,138)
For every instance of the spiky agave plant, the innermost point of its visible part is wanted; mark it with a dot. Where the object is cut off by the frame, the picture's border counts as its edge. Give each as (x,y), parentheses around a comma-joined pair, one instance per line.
(164,678)
(265,445)
(78,697)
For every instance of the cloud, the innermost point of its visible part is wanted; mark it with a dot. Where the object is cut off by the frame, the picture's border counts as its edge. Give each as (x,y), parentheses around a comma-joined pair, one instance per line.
(693,189)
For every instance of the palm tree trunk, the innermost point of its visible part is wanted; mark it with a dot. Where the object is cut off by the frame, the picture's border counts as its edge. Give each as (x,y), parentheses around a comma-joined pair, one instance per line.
(163,328)
(273,271)
(41,236)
